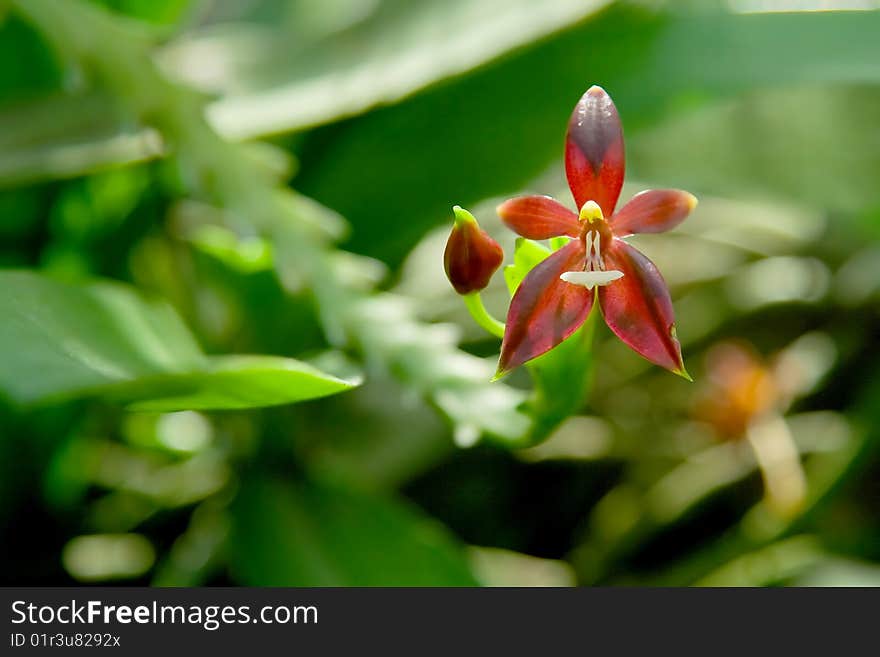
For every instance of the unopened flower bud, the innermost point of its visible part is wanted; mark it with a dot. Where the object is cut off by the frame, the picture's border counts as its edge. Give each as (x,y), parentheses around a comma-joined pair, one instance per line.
(471,256)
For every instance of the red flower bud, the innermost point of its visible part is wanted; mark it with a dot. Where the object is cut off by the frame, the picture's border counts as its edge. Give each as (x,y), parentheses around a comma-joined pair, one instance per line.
(471,256)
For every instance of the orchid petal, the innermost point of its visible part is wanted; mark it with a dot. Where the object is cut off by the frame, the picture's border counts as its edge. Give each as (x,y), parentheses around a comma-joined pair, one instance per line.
(538,217)
(545,310)
(594,157)
(637,308)
(653,211)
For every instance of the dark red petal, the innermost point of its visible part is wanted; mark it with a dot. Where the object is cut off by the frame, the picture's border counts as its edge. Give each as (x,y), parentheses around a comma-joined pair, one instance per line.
(545,310)
(471,256)
(594,159)
(539,217)
(653,211)
(638,308)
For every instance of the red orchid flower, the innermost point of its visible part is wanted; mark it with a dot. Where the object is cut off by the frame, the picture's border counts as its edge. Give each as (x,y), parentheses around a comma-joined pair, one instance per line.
(556,297)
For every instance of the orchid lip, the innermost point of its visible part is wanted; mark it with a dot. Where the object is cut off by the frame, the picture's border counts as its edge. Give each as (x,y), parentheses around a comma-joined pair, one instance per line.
(591,279)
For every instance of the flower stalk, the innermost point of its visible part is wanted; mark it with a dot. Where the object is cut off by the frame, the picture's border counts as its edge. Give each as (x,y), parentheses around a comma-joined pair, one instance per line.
(482,317)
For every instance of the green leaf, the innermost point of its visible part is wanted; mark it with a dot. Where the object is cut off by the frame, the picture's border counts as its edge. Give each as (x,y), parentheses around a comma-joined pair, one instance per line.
(59,340)
(64,135)
(766,145)
(279,72)
(310,534)
(21,42)
(276,79)
(293,79)
(245,255)
(153,11)
(230,382)
(778,562)
(526,255)
(425,357)
(841,571)
(652,63)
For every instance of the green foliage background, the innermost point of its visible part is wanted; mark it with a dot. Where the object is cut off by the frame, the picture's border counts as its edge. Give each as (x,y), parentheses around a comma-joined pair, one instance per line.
(228,354)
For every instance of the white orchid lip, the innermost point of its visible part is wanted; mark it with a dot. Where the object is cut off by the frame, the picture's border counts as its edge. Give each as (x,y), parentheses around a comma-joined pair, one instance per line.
(590,279)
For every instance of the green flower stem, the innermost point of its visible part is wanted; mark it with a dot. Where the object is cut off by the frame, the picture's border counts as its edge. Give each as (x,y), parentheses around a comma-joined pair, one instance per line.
(562,378)
(481,316)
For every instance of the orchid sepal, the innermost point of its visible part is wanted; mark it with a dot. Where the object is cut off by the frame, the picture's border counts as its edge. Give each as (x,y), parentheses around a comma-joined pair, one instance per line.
(544,310)
(638,308)
(594,155)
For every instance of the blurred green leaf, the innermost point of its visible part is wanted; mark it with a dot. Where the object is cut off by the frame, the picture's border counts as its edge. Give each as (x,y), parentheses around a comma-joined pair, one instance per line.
(270,83)
(275,78)
(497,567)
(66,135)
(309,534)
(19,42)
(248,255)
(839,571)
(426,358)
(229,382)
(526,255)
(154,11)
(652,62)
(769,565)
(802,143)
(59,340)
(826,468)
(490,133)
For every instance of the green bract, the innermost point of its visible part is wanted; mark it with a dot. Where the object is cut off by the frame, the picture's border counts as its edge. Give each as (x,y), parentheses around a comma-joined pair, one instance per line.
(59,341)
